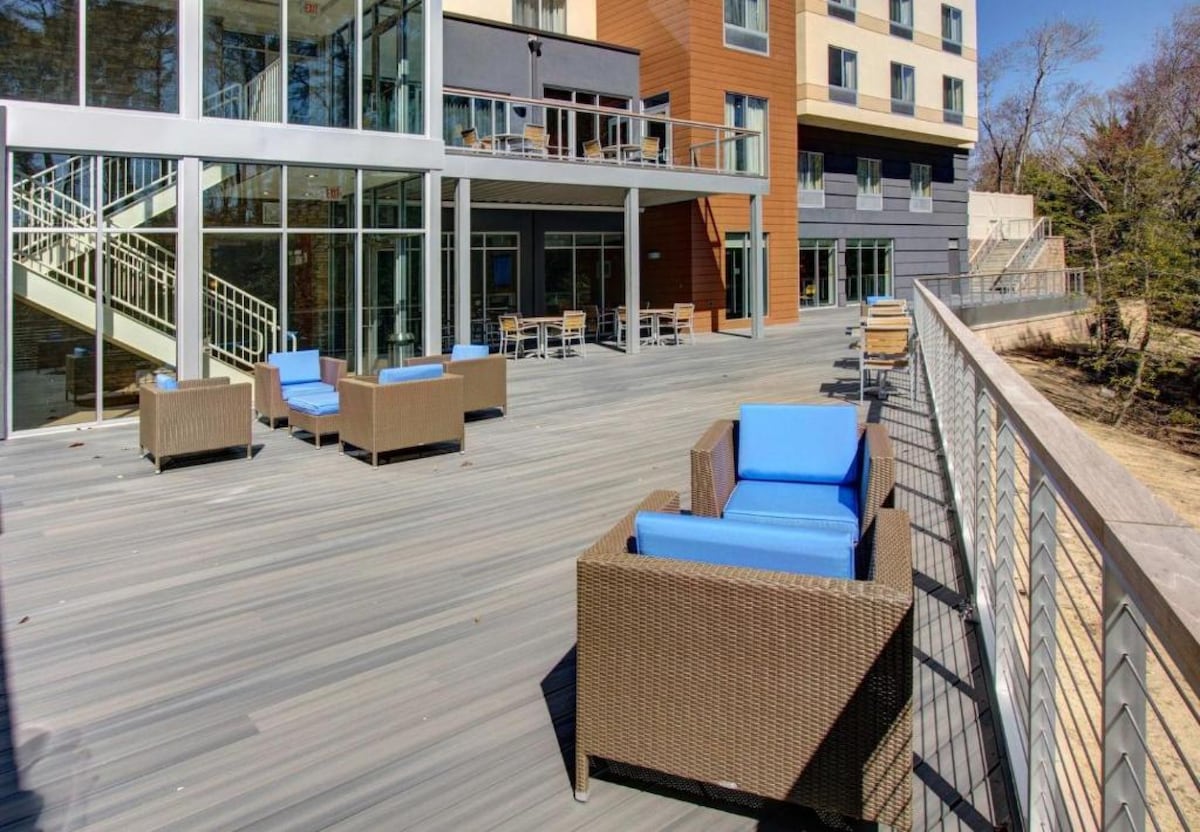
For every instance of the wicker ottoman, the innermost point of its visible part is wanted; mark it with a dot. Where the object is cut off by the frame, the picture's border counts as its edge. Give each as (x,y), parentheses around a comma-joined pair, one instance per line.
(316,413)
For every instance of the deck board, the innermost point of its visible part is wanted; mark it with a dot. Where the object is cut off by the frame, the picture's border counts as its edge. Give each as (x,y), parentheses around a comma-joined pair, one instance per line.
(303,642)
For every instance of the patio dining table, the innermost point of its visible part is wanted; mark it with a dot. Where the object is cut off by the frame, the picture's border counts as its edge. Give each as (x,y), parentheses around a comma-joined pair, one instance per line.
(543,322)
(655,315)
(508,142)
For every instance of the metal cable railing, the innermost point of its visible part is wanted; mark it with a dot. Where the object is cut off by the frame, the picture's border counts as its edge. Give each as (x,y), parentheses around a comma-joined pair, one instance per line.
(1085,587)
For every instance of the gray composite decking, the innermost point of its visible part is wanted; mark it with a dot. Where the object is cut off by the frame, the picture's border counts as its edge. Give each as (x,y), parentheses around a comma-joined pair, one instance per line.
(302,642)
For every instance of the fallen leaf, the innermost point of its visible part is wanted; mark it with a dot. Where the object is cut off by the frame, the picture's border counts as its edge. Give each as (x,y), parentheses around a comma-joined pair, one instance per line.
(26,618)
(75,445)
(467,464)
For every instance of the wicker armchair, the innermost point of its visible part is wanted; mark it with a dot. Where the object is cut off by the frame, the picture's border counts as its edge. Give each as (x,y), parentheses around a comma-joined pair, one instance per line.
(269,400)
(485,380)
(714,469)
(385,417)
(202,415)
(782,685)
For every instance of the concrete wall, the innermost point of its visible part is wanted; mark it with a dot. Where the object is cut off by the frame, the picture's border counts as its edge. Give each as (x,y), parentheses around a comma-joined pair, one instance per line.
(1008,335)
(984,207)
(493,58)
(921,241)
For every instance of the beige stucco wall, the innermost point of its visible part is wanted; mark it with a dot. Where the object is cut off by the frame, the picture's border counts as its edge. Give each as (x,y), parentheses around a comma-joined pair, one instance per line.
(984,207)
(581,14)
(1069,326)
(870,37)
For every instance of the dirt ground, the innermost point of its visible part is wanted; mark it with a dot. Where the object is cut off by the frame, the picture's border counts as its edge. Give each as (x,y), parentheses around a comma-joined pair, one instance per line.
(1169,473)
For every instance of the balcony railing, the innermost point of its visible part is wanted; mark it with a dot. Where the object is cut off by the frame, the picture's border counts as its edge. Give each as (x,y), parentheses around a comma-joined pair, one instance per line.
(595,135)
(1086,595)
(1009,287)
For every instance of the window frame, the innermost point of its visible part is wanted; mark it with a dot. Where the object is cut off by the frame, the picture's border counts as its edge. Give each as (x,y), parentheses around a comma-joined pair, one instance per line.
(952,15)
(541,15)
(898,27)
(840,92)
(920,188)
(810,197)
(731,150)
(870,199)
(745,37)
(843,9)
(903,106)
(949,114)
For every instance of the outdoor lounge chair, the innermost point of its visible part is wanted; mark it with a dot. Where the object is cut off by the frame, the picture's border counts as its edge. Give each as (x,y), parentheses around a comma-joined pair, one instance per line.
(401,408)
(286,374)
(484,375)
(198,415)
(810,465)
(784,685)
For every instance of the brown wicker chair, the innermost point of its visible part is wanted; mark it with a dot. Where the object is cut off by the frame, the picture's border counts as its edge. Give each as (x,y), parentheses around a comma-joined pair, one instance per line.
(485,380)
(202,415)
(385,417)
(785,686)
(714,470)
(269,403)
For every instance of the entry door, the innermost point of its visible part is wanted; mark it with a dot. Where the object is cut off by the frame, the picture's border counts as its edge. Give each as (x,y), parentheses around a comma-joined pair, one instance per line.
(818,274)
(737,276)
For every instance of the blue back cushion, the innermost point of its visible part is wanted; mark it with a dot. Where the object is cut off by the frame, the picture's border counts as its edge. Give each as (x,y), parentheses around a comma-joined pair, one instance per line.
(297,367)
(461,352)
(798,443)
(417,373)
(874,299)
(165,382)
(806,551)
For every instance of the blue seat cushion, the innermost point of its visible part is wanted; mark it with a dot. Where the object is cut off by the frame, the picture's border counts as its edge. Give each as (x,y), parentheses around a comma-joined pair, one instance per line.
(305,388)
(165,382)
(462,352)
(315,404)
(418,373)
(806,551)
(798,443)
(297,367)
(808,504)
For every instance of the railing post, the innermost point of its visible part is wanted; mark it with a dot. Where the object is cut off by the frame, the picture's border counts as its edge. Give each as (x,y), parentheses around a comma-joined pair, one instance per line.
(1124,709)
(1045,804)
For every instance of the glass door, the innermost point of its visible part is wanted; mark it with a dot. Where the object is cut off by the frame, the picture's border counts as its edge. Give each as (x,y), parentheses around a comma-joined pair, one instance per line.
(818,273)
(737,276)
(868,269)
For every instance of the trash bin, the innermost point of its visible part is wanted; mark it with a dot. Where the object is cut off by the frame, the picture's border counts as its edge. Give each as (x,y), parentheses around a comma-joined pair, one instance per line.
(400,347)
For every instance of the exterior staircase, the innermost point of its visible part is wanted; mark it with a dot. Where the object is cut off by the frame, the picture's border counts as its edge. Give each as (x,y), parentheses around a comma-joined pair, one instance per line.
(1010,251)
(54,271)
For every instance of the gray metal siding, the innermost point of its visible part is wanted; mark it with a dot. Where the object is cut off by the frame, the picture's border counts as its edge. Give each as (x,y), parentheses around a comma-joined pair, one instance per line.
(496,59)
(920,240)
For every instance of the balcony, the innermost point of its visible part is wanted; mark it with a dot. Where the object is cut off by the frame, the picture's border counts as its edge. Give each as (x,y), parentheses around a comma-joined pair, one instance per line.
(541,129)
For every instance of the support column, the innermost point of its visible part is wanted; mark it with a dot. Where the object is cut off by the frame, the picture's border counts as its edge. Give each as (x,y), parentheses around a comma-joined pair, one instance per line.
(432,302)
(757,295)
(462,261)
(633,276)
(190,354)
(6,298)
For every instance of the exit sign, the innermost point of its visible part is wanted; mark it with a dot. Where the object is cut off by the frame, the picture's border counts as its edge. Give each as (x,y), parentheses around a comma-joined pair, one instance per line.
(312,8)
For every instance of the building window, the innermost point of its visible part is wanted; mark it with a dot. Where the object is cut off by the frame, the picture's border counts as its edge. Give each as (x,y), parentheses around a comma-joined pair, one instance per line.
(870,185)
(746,24)
(904,89)
(868,269)
(900,16)
(818,272)
(920,189)
(744,153)
(952,100)
(41,58)
(812,180)
(843,75)
(584,269)
(952,29)
(547,15)
(844,9)
(132,55)
(738,287)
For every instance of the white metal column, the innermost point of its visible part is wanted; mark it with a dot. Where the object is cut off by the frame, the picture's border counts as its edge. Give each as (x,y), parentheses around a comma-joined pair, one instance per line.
(633,277)
(189,289)
(432,302)
(756,270)
(462,261)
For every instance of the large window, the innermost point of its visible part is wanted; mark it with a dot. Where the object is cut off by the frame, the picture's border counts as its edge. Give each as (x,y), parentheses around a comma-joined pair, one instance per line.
(133,55)
(548,15)
(952,29)
(818,272)
(844,9)
(843,75)
(900,17)
(586,269)
(952,100)
(868,269)
(495,284)
(40,59)
(920,188)
(812,179)
(393,66)
(746,24)
(243,74)
(738,288)
(568,129)
(870,185)
(904,89)
(745,153)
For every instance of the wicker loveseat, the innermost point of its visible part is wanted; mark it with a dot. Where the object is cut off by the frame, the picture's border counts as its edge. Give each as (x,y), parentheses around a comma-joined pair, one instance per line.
(286,374)
(401,408)
(485,376)
(201,415)
(783,685)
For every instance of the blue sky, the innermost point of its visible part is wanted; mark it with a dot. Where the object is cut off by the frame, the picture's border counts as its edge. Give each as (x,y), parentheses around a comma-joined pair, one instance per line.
(1127,29)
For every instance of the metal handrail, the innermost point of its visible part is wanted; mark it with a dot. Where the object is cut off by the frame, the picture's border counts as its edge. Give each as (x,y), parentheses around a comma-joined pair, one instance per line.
(1036,235)
(992,239)
(1101,727)
(986,288)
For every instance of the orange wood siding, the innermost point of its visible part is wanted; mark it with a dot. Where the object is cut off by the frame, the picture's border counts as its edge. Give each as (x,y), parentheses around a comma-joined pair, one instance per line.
(683,53)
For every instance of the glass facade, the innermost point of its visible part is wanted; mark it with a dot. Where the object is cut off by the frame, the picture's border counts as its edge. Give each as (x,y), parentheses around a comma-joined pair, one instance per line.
(243,70)
(868,269)
(40,59)
(818,272)
(132,56)
(585,269)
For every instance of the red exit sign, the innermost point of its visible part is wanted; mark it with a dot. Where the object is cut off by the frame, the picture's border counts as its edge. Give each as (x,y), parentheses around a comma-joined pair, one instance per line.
(312,8)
